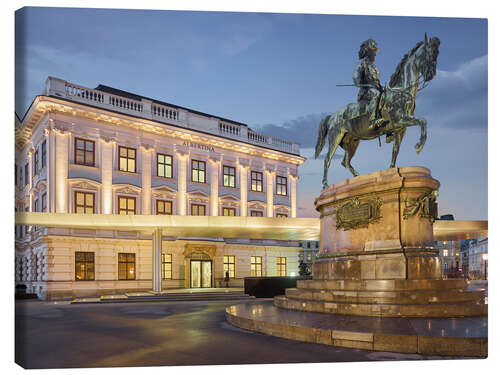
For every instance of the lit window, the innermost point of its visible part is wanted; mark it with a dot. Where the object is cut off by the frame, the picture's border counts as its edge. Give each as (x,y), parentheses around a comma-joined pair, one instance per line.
(229,211)
(281,266)
(197,210)
(84,202)
(281,185)
(229,176)
(126,266)
(445,252)
(281,216)
(198,169)
(255,266)
(84,152)
(166,266)
(256,180)
(229,265)
(163,207)
(164,165)
(126,206)
(309,257)
(84,265)
(256,213)
(127,159)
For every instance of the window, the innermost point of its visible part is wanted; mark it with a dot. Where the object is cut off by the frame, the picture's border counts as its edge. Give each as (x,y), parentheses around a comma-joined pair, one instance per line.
(229,265)
(163,165)
(445,252)
(35,163)
(163,207)
(126,266)
(84,202)
(26,174)
(281,266)
(281,216)
(126,206)
(35,206)
(228,211)
(255,266)
(197,210)
(198,171)
(44,154)
(44,202)
(127,159)
(256,179)
(166,266)
(84,265)
(84,152)
(281,185)
(256,213)
(309,257)
(229,176)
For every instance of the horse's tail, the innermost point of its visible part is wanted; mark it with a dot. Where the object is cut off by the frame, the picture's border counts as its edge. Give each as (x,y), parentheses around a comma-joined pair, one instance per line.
(322,133)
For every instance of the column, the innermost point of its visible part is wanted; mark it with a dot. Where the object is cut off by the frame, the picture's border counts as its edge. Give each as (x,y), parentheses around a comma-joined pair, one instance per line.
(181,182)
(214,185)
(270,191)
(293,194)
(51,159)
(107,175)
(61,163)
(156,253)
(243,165)
(30,174)
(146,179)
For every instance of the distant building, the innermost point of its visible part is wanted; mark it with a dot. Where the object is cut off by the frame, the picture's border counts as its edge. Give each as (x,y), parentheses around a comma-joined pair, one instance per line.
(477,249)
(308,252)
(449,252)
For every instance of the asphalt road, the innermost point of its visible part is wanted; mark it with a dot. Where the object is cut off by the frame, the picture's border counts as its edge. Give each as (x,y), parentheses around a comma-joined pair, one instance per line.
(60,335)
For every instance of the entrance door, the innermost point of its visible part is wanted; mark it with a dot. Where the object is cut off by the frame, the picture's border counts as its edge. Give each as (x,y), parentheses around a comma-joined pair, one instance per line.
(201,274)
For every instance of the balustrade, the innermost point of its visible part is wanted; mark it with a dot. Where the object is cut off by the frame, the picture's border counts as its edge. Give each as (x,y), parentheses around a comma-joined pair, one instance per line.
(165,112)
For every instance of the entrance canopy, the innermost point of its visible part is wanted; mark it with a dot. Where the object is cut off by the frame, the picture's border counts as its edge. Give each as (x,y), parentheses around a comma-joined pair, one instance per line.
(293,229)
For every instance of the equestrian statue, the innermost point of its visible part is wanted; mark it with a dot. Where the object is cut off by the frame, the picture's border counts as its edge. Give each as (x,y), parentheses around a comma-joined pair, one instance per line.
(381,110)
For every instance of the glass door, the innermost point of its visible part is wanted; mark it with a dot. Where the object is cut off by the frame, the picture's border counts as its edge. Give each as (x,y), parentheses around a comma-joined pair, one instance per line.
(206,272)
(201,274)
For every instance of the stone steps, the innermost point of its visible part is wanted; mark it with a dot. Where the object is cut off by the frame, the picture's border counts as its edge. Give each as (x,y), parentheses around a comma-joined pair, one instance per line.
(166,297)
(435,310)
(409,297)
(384,285)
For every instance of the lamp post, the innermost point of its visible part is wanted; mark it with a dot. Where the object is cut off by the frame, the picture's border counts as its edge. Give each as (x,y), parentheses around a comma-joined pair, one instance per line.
(485,261)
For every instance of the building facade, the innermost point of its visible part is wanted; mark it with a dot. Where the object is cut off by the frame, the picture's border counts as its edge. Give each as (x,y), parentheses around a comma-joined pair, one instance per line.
(106,151)
(308,253)
(477,255)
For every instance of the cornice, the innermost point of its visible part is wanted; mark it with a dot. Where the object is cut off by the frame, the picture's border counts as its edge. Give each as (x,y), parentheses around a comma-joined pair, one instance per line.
(43,104)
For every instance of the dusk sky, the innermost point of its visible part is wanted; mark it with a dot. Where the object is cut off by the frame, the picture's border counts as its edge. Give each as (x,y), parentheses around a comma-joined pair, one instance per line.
(277,73)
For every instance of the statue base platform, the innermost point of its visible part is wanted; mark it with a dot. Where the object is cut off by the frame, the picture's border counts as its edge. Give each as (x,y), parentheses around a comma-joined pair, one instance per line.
(377,255)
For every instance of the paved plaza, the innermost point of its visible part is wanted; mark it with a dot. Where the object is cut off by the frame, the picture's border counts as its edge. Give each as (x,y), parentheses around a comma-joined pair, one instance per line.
(61,335)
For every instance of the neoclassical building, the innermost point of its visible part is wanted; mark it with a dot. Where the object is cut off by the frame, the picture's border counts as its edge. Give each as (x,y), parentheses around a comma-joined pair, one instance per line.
(106,151)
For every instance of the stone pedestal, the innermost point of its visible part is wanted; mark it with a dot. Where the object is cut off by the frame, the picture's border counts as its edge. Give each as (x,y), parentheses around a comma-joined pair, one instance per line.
(376,252)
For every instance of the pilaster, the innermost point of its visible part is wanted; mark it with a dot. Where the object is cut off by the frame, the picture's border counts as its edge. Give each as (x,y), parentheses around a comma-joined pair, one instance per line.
(107,175)
(61,164)
(182,158)
(243,166)
(214,185)
(147,151)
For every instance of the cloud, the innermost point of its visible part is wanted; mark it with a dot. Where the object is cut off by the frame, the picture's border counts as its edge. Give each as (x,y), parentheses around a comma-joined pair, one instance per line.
(457,99)
(303,129)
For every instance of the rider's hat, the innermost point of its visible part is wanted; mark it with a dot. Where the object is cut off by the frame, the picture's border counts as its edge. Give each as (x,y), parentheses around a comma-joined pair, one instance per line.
(367,45)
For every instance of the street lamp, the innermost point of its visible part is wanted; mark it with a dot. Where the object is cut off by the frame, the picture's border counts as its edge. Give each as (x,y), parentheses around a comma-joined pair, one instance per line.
(485,260)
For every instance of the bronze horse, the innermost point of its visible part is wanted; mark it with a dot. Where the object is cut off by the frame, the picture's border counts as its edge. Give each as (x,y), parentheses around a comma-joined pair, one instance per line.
(346,127)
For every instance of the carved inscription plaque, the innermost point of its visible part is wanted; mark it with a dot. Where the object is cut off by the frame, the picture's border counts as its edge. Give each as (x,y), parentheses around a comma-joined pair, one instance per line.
(355,214)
